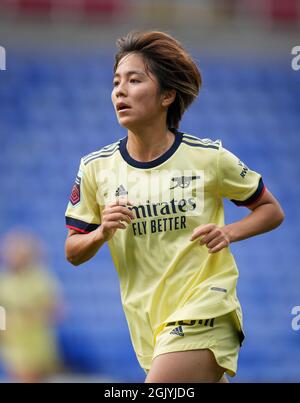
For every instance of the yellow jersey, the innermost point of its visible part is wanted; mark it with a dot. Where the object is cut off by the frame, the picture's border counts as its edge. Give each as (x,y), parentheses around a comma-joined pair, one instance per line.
(28,344)
(164,277)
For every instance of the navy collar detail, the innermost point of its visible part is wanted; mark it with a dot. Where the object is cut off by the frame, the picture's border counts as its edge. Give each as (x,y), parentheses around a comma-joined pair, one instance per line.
(158,161)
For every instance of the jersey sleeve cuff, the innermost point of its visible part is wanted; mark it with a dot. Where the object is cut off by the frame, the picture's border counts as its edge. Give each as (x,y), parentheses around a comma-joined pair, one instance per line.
(81,226)
(254,198)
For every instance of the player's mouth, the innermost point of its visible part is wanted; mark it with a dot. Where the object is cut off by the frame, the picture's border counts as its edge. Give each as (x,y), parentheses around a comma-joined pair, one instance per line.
(122,107)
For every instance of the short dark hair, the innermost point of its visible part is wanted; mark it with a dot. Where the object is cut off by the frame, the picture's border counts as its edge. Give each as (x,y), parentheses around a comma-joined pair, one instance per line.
(173,67)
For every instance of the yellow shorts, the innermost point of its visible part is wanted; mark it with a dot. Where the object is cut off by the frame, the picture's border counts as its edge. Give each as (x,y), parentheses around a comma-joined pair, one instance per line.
(221,335)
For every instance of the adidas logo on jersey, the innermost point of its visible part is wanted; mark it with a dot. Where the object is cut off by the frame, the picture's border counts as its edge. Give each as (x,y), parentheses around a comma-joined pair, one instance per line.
(121,191)
(178,331)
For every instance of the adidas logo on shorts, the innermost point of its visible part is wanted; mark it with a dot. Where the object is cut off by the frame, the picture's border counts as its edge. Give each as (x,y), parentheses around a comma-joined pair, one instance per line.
(178,331)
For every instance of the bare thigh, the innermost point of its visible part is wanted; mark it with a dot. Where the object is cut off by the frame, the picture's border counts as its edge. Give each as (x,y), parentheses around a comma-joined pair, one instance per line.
(195,366)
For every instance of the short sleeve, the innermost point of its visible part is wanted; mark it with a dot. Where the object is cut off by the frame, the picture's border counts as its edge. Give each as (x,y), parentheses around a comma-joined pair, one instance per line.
(237,182)
(83,211)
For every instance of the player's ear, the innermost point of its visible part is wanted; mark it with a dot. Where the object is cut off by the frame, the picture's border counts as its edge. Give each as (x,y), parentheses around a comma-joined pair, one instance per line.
(168,97)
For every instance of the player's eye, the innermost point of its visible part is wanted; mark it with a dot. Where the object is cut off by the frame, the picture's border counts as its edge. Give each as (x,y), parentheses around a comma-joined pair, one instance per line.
(115,83)
(134,80)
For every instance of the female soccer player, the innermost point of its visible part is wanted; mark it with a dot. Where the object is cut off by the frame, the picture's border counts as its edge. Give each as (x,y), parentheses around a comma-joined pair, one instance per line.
(177,275)
(30,295)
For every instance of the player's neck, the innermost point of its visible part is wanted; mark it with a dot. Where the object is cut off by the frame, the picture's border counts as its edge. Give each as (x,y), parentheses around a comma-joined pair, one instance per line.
(149,143)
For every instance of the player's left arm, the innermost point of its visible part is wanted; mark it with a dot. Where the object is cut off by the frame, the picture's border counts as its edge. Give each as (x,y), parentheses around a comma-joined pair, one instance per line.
(266,215)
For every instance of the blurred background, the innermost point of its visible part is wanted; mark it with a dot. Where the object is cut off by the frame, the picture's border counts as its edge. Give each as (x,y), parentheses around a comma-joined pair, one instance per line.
(55,108)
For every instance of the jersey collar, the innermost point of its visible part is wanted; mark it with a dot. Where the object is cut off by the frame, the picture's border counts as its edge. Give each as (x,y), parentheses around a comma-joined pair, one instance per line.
(158,161)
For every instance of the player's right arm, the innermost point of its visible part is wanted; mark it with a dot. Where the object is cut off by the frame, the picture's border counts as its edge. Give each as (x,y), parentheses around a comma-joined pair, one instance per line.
(81,247)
